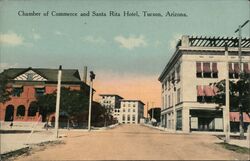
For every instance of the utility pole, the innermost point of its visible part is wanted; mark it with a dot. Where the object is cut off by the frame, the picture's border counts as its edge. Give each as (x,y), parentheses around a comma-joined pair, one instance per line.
(92,77)
(226,109)
(240,74)
(58,95)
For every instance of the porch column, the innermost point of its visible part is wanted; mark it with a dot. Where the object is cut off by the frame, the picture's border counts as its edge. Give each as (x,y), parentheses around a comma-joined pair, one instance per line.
(185,120)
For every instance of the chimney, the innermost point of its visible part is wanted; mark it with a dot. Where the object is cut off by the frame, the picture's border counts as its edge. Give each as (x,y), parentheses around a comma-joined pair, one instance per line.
(84,77)
(185,41)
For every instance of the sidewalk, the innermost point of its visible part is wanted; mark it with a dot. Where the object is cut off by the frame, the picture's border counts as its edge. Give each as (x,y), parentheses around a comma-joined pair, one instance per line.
(241,143)
(14,141)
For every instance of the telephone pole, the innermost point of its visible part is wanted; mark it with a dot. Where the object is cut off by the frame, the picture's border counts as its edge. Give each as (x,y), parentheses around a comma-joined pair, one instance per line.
(58,95)
(92,77)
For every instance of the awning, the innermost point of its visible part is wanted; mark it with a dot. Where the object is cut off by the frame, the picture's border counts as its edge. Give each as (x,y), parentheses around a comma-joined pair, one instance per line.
(198,67)
(215,90)
(235,117)
(236,68)
(200,91)
(246,68)
(214,68)
(208,91)
(17,86)
(231,68)
(206,67)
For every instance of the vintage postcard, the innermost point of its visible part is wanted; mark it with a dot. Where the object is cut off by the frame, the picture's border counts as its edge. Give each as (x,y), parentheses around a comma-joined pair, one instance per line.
(124,80)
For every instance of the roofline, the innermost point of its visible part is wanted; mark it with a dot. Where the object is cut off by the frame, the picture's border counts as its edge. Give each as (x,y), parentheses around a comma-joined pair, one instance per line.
(184,45)
(133,101)
(110,95)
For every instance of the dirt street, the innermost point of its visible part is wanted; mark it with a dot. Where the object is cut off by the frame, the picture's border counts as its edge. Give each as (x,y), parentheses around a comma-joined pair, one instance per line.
(134,142)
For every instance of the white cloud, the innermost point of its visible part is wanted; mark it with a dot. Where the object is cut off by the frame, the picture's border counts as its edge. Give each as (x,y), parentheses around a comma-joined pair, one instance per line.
(95,40)
(157,43)
(131,42)
(36,36)
(11,38)
(7,65)
(58,33)
(174,40)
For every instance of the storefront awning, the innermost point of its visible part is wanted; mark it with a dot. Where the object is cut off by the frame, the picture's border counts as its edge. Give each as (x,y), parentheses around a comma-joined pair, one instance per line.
(208,91)
(198,67)
(246,68)
(200,91)
(214,68)
(206,67)
(231,68)
(236,68)
(235,117)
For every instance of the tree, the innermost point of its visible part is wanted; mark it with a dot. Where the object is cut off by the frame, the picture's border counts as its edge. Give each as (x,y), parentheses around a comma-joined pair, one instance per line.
(239,92)
(156,112)
(5,91)
(46,105)
(73,102)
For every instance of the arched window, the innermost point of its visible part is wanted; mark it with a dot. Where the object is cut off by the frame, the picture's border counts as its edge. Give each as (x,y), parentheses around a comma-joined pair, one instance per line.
(9,113)
(32,109)
(20,110)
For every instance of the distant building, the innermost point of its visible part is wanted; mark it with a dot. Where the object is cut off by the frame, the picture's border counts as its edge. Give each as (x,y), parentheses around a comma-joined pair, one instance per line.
(186,81)
(112,103)
(131,111)
(28,83)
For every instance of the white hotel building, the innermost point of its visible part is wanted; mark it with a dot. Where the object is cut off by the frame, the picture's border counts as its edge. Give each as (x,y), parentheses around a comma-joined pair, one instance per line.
(187,96)
(131,111)
(111,102)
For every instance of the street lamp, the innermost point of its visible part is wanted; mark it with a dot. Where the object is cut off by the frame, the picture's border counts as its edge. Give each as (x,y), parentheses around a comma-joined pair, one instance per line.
(92,77)
(240,74)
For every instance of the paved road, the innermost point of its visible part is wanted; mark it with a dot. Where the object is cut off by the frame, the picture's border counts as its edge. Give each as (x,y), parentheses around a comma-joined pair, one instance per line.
(134,142)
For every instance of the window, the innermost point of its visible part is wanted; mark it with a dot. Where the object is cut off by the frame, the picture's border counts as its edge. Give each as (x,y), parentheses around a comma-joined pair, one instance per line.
(246,68)
(206,70)
(129,105)
(124,110)
(133,105)
(214,70)
(123,105)
(169,100)
(234,70)
(178,77)
(178,95)
(198,70)
(205,94)
(30,76)
(17,91)
(123,117)
(128,118)
(129,110)
(133,118)
(133,110)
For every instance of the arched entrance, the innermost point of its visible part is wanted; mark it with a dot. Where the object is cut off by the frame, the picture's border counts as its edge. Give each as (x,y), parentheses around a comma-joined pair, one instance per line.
(9,113)
(20,110)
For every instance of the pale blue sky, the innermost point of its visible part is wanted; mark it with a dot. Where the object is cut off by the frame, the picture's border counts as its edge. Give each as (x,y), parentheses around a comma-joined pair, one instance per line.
(104,43)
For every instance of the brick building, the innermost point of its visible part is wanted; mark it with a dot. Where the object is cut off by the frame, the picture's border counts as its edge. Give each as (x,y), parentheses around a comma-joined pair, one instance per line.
(27,83)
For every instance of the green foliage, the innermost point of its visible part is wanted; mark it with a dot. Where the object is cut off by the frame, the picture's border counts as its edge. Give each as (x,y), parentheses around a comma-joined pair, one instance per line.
(73,102)
(242,86)
(157,113)
(4,91)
